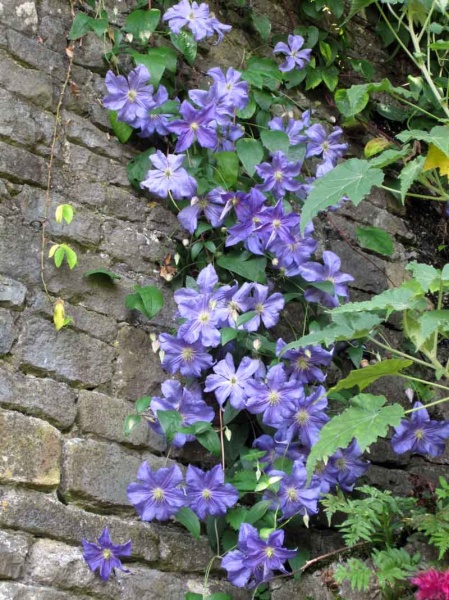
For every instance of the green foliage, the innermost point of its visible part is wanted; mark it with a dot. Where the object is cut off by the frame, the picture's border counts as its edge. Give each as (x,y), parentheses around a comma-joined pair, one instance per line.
(435,525)
(101,273)
(356,572)
(188,518)
(376,239)
(121,130)
(64,212)
(362,378)
(148,300)
(60,251)
(366,419)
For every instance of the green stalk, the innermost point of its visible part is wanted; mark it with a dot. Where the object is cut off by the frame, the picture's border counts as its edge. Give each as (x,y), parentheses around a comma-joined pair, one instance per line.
(403,354)
(410,410)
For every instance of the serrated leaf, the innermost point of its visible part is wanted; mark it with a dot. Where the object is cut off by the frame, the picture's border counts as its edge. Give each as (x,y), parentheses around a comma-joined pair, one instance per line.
(275,140)
(148,300)
(188,518)
(228,169)
(438,136)
(376,239)
(101,272)
(409,173)
(262,24)
(353,178)
(185,43)
(388,157)
(122,130)
(252,269)
(250,153)
(142,23)
(236,516)
(427,276)
(362,378)
(244,481)
(375,146)
(408,296)
(366,420)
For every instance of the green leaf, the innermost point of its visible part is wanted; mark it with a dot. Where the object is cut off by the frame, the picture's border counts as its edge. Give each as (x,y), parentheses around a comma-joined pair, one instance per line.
(330,77)
(438,136)
(138,167)
(408,296)
(171,423)
(64,211)
(262,24)
(156,60)
(244,481)
(219,596)
(427,276)
(263,99)
(100,273)
(355,7)
(236,516)
(313,78)
(353,178)
(122,130)
(275,140)
(80,26)
(250,153)
(365,420)
(228,169)
(434,320)
(257,511)
(70,256)
(227,335)
(148,300)
(362,378)
(99,26)
(185,43)
(142,23)
(388,157)
(376,239)
(298,561)
(130,422)
(249,110)
(352,101)
(409,173)
(59,256)
(210,441)
(188,518)
(142,404)
(252,269)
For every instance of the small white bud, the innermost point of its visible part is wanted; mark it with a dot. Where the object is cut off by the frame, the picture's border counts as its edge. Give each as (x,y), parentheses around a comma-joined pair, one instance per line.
(275,262)
(176,258)
(161,355)
(185,242)
(257,344)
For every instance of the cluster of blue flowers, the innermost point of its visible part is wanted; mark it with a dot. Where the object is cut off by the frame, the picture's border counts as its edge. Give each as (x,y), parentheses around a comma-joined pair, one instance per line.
(286,395)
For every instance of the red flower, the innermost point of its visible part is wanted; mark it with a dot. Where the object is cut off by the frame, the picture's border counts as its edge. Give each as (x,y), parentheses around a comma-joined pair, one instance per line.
(432,585)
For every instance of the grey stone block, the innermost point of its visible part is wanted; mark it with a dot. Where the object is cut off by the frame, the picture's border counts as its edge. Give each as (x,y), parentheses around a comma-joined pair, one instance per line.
(42,398)
(72,356)
(30,450)
(96,474)
(12,293)
(19,164)
(8,332)
(19,591)
(13,551)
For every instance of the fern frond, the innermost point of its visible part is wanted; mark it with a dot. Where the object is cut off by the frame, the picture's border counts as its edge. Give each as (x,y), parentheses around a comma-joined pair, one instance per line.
(356,572)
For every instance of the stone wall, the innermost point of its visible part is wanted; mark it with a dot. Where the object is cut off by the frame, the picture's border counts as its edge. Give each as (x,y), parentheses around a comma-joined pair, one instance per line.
(64,460)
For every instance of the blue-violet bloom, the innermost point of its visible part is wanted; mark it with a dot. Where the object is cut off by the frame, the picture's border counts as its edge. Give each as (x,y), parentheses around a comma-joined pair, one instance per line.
(169,177)
(132,97)
(420,434)
(104,556)
(294,56)
(207,493)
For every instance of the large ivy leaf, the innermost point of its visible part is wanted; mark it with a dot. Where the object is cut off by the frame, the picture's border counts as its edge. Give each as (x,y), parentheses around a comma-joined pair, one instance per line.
(388,157)
(362,378)
(142,23)
(365,420)
(438,136)
(408,296)
(409,173)
(353,178)
(250,153)
(188,518)
(252,269)
(344,327)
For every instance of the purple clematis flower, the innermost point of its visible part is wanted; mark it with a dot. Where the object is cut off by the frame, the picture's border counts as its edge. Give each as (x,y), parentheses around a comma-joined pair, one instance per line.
(275,450)
(188,14)
(229,382)
(420,434)
(304,361)
(267,308)
(179,355)
(345,467)
(304,417)
(157,494)
(169,177)
(104,556)
(211,205)
(294,497)
(207,493)
(255,559)
(230,88)
(328,146)
(274,397)
(294,56)
(131,97)
(278,177)
(294,128)
(196,125)
(187,401)
(275,225)
(315,272)
(215,26)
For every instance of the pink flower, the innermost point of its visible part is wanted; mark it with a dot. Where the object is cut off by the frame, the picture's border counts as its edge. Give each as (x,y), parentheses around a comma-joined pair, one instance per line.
(432,585)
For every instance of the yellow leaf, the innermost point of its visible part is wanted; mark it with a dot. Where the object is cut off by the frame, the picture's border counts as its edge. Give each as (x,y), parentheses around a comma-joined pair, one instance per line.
(59,314)
(436,159)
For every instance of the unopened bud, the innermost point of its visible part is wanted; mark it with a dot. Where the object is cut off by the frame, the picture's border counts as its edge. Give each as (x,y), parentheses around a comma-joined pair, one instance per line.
(176,258)
(185,242)
(155,343)
(129,37)
(275,262)
(257,344)
(161,355)
(364,363)
(409,393)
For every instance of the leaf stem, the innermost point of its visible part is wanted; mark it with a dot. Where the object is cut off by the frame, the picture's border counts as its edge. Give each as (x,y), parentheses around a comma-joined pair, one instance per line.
(410,410)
